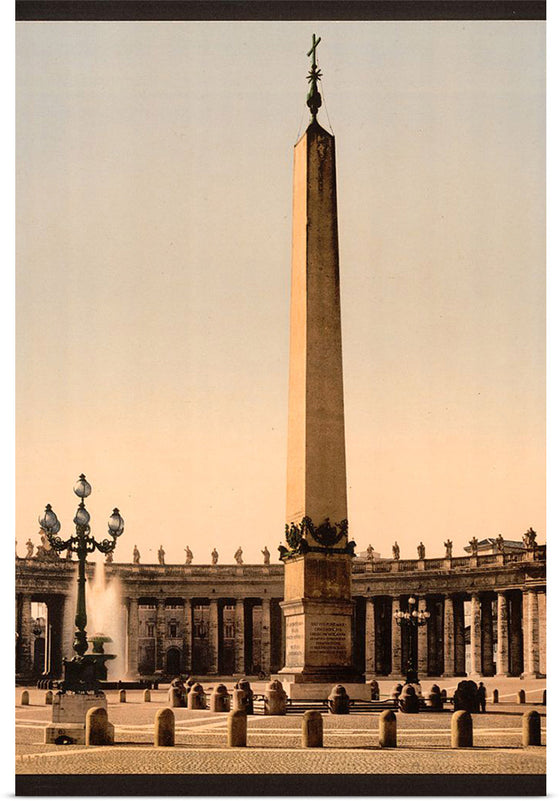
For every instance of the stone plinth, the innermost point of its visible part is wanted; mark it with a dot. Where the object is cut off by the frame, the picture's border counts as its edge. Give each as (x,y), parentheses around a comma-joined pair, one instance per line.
(318,616)
(317,691)
(318,638)
(69,715)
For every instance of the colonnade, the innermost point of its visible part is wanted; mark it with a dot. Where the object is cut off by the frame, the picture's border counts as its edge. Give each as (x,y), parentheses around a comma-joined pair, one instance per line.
(229,622)
(483,633)
(213,636)
(51,639)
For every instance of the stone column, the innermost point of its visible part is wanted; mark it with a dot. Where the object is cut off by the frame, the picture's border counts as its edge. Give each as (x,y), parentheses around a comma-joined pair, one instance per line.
(542,632)
(187,635)
(160,634)
(239,667)
(422,643)
(487,658)
(531,634)
(476,636)
(25,667)
(516,604)
(502,651)
(55,618)
(448,637)
(459,609)
(213,638)
(132,650)
(524,629)
(396,642)
(370,637)
(48,642)
(265,636)
(68,615)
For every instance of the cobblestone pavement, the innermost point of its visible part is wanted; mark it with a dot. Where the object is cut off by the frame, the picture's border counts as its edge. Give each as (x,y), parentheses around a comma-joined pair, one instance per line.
(274,743)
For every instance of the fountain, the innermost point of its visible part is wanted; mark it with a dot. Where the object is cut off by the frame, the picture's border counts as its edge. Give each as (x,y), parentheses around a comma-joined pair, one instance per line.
(99,656)
(103,605)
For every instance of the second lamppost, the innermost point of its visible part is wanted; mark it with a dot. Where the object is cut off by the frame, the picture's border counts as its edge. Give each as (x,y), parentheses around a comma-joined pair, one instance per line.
(411,620)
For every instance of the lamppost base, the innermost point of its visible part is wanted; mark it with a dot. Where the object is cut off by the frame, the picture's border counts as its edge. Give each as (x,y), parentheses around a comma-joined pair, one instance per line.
(69,710)
(83,673)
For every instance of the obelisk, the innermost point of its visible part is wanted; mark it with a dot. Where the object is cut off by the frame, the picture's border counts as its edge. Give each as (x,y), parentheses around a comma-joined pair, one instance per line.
(317,586)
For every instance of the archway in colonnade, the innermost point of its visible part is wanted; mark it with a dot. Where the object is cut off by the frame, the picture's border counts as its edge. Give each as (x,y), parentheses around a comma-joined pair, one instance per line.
(173,662)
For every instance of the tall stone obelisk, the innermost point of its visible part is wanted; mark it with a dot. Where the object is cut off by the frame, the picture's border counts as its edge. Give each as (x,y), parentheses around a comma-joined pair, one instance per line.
(317,586)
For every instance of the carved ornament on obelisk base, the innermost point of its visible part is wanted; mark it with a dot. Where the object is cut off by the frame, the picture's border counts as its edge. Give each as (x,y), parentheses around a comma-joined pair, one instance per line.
(317,602)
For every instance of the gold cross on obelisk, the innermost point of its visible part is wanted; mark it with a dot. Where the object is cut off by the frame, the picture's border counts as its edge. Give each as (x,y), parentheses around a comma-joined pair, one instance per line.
(314,98)
(313,49)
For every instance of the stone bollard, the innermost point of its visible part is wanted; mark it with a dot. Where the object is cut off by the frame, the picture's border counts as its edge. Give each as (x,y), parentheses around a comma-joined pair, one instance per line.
(239,701)
(175,697)
(275,699)
(339,701)
(177,693)
(312,729)
(388,729)
(98,729)
(122,696)
(444,695)
(196,699)
(237,729)
(521,697)
(164,727)
(244,702)
(434,699)
(147,696)
(495,697)
(461,729)
(396,692)
(49,697)
(531,729)
(374,686)
(544,697)
(219,700)
(25,698)
(408,700)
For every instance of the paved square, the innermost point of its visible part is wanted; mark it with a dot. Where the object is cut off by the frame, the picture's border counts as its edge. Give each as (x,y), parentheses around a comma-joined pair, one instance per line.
(274,743)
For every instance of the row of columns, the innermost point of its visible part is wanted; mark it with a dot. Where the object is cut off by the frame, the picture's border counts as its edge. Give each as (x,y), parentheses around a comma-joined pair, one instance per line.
(58,616)
(213,636)
(515,626)
(519,646)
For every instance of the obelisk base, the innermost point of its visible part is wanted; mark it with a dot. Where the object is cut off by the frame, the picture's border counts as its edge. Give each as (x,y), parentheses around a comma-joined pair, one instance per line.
(318,687)
(319,648)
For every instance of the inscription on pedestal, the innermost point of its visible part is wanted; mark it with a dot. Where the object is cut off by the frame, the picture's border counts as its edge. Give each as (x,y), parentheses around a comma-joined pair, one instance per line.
(294,641)
(328,637)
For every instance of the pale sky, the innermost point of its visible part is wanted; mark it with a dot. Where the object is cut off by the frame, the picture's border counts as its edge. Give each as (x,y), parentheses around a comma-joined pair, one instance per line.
(154,169)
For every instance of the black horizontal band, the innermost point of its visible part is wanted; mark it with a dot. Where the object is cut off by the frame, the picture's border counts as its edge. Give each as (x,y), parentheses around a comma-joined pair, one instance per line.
(279,10)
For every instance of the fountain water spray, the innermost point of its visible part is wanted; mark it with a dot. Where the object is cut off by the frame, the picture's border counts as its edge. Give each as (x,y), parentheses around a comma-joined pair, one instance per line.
(106,617)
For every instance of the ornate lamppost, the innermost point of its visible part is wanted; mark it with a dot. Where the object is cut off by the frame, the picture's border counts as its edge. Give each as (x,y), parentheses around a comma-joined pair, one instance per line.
(80,672)
(411,620)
